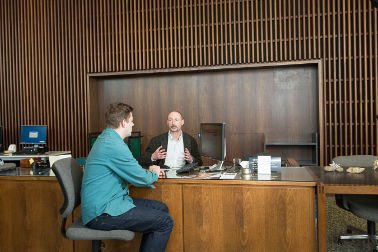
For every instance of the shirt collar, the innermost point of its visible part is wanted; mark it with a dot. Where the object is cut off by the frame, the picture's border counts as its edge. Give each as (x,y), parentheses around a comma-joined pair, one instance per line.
(170,137)
(113,132)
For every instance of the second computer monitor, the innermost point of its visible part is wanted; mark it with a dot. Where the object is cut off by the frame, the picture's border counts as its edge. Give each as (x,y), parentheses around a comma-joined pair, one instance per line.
(213,141)
(33,134)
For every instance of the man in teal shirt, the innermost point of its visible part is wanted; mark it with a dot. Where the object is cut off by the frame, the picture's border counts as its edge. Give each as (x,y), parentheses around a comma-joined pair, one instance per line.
(109,168)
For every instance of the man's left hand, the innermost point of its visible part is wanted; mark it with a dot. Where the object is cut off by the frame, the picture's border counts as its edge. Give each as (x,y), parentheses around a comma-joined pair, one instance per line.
(187,156)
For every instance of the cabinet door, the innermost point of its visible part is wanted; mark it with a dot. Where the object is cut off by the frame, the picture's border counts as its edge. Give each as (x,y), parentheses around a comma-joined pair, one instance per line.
(249,218)
(30,219)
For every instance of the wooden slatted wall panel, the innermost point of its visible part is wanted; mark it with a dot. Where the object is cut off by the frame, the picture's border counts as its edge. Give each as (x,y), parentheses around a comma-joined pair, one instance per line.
(43,70)
(48,47)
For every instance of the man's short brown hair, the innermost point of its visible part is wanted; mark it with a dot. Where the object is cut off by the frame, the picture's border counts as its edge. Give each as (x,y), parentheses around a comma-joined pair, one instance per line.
(116,113)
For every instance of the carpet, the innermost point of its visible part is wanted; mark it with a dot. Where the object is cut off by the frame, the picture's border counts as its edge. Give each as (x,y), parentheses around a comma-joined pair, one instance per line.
(337,221)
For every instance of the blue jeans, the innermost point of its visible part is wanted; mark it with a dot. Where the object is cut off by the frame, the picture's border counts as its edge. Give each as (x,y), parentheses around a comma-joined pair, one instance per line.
(149,217)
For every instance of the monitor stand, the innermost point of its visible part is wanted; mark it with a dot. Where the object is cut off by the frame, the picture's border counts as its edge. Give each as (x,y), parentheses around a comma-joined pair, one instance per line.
(217,167)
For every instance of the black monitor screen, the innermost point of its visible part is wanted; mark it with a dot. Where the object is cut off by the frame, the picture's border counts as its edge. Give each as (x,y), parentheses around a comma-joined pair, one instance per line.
(213,140)
(33,134)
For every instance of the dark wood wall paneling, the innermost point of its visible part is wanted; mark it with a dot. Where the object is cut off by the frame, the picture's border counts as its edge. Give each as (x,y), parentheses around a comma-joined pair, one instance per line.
(43,70)
(47,48)
(275,103)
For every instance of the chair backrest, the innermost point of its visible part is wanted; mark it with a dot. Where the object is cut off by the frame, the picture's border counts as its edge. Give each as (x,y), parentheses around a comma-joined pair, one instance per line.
(356,160)
(70,176)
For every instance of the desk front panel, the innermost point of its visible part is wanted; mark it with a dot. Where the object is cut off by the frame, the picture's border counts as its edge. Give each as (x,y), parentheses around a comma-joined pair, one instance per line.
(208,215)
(249,218)
(225,216)
(29,215)
(170,194)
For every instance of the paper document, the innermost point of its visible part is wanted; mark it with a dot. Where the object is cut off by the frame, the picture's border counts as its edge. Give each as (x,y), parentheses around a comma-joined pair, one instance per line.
(207,175)
(228,175)
(171,173)
(263,165)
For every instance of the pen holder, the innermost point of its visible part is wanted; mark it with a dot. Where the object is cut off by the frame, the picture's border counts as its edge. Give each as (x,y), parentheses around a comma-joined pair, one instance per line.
(245,171)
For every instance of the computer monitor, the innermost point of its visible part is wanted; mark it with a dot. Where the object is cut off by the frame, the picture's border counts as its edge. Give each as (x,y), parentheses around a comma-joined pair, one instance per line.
(33,134)
(213,142)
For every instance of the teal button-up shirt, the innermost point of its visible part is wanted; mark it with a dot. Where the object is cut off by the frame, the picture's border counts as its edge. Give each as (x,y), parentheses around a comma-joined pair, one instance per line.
(109,168)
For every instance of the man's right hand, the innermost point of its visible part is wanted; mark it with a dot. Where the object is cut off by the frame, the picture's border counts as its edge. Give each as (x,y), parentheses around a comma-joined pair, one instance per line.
(155,168)
(159,153)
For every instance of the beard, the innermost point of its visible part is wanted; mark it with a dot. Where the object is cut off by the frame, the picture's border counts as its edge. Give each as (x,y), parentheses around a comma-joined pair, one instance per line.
(174,128)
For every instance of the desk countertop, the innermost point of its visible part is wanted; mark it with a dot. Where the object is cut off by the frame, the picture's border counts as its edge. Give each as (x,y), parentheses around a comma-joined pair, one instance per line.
(21,156)
(368,177)
(24,174)
(289,176)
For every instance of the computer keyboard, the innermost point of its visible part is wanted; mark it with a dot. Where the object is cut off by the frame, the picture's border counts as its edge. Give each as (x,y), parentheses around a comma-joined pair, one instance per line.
(187,168)
(22,152)
(28,152)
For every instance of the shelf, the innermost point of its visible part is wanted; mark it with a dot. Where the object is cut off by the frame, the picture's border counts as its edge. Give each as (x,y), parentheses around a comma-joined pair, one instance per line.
(290,144)
(306,153)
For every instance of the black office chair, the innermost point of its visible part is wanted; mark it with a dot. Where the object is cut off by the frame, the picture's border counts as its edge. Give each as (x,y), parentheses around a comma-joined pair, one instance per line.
(363,206)
(70,175)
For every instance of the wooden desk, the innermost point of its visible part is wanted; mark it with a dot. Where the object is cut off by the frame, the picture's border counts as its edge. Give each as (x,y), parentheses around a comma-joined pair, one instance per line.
(208,215)
(234,215)
(331,183)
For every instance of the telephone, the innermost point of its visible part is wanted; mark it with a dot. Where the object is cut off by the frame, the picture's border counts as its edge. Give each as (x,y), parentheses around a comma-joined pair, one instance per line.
(41,163)
(41,166)
(12,148)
